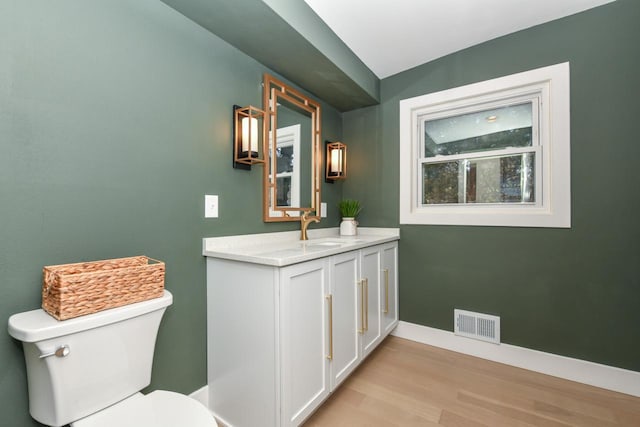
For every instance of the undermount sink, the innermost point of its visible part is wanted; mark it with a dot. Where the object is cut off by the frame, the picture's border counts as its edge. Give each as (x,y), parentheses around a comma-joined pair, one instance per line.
(330,243)
(302,247)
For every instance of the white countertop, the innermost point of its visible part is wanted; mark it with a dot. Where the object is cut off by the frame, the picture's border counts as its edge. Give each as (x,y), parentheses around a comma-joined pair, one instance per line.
(285,248)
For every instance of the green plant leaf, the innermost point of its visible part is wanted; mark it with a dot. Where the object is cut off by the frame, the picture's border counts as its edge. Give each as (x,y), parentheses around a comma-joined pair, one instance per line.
(349,208)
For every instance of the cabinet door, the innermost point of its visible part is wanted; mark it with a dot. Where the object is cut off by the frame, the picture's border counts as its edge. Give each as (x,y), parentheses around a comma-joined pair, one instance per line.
(346,314)
(389,287)
(303,339)
(370,269)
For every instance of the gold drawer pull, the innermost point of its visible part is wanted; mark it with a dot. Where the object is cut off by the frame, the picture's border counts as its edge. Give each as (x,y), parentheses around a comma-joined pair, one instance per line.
(360,284)
(366,304)
(330,300)
(386,291)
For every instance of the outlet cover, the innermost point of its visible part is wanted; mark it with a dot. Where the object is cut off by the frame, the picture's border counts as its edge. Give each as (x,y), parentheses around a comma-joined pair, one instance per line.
(210,206)
(323,210)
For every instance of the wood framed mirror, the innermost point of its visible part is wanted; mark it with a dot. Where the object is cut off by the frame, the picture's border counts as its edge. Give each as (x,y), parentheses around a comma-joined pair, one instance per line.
(292,174)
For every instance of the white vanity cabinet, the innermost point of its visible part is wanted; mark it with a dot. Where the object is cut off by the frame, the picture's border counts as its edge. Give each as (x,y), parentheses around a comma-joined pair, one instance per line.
(370,273)
(282,338)
(346,316)
(389,288)
(304,339)
(379,290)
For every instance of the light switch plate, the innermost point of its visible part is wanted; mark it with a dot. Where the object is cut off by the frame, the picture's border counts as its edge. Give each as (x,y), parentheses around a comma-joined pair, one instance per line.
(323,210)
(210,206)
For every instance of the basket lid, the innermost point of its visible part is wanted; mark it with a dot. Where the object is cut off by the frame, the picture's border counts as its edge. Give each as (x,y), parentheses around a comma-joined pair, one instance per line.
(38,325)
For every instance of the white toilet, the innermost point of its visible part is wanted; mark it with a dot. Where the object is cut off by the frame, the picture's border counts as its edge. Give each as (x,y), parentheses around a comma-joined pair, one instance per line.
(89,371)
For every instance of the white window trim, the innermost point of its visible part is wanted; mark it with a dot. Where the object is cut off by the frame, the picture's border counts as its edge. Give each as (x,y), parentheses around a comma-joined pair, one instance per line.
(552,84)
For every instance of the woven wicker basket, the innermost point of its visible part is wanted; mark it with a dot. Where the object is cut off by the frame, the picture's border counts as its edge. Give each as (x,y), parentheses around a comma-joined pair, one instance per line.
(72,290)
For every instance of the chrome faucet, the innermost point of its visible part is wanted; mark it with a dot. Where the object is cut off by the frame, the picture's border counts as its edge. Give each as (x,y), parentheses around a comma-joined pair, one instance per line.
(304,224)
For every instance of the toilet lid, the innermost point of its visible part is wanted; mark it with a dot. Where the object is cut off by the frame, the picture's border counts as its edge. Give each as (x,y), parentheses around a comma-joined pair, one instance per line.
(156,409)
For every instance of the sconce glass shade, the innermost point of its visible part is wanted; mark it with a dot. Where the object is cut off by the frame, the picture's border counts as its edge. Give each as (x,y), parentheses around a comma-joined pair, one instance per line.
(248,125)
(336,161)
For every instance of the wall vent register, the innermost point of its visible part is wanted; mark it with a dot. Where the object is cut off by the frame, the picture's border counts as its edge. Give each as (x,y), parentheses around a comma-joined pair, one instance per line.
(479,326)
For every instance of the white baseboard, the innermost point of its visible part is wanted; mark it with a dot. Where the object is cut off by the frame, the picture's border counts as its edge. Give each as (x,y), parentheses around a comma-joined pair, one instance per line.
(603,376)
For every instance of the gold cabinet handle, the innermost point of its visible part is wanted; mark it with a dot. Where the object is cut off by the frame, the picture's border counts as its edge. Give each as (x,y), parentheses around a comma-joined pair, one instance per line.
(386,291)
(330,300)
(366,304)
(360,284)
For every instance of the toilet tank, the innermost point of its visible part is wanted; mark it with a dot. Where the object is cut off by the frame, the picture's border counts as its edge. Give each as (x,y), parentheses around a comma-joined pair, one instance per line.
(110,355)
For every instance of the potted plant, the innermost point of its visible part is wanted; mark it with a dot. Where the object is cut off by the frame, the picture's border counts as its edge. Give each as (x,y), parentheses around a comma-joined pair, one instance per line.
(349,209)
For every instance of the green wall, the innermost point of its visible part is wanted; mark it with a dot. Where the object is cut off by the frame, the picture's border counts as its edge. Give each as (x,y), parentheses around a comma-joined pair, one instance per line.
(573,292)
(115,121)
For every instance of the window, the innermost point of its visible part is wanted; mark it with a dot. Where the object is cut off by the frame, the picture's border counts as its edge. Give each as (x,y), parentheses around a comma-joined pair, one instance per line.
(490,153)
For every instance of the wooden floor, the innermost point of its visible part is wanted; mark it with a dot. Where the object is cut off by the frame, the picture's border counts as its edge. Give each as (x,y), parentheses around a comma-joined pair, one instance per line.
(404,383)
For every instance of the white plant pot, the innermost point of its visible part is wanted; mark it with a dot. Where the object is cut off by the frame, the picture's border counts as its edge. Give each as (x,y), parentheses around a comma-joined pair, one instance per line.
(348,227)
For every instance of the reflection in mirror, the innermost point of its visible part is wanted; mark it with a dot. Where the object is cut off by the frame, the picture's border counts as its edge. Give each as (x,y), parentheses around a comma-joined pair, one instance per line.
(287,159)
(292,178)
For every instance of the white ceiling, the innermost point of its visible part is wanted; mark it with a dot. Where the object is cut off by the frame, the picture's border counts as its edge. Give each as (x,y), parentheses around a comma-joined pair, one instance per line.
(391,36)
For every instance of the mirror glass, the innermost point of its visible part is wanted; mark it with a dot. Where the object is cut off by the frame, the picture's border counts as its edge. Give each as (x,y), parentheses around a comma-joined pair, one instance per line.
(291,180)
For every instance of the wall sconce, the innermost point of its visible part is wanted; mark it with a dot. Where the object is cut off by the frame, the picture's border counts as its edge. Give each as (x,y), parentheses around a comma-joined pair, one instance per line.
(248,148)
(336,161)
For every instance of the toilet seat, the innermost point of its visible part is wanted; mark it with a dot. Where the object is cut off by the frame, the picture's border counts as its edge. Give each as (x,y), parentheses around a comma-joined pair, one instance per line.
(157,409)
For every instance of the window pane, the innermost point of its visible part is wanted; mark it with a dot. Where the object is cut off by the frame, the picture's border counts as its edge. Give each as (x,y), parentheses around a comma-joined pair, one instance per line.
(284,158)
(283,191)
(440,183)
(502,179)
(484,130)
(507,179)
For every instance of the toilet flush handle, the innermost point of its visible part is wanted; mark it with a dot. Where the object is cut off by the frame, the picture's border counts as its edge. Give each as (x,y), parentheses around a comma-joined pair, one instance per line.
(62,351)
